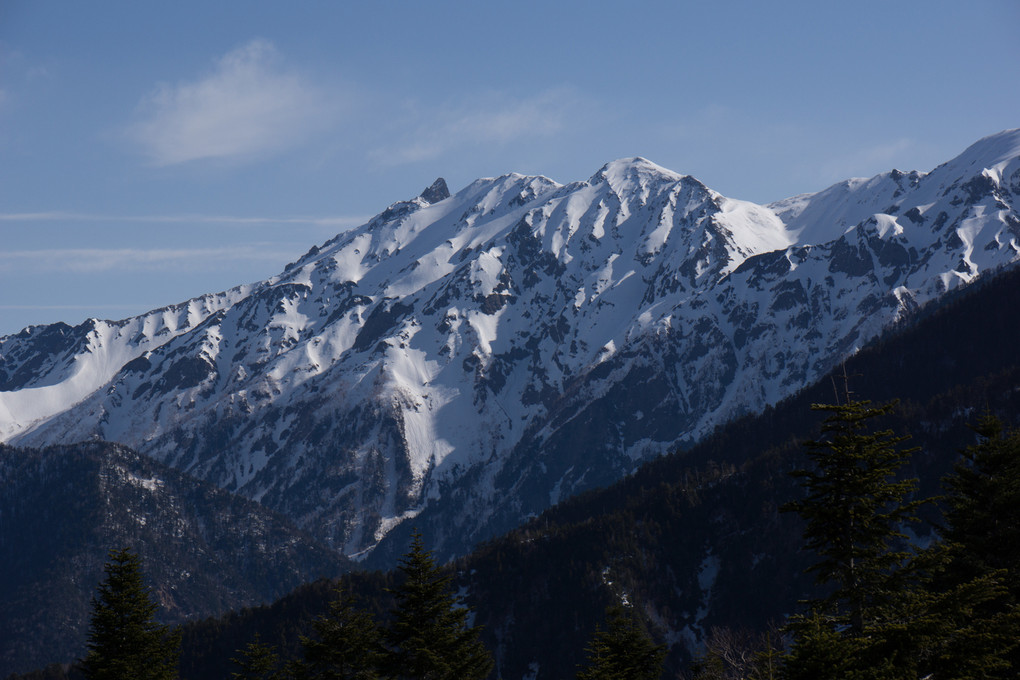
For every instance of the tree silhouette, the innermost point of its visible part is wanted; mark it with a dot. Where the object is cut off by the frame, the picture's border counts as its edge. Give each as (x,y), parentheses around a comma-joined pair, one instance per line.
(347,645)
(623,651)
(855,509)
(429,637)
(125,641)
(258,661)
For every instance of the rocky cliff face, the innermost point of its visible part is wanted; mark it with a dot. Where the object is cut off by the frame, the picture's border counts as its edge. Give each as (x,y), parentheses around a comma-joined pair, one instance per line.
(477,357)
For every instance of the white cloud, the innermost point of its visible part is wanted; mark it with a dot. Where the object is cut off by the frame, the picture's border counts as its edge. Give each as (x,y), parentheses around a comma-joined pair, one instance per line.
(503,122)
(95,260)
(494,119)
(329,222)
(71,307)
(867,161)
(248,105)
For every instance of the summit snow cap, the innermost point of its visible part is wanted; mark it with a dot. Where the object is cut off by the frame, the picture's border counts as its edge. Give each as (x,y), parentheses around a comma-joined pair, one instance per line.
(469,359)
(624,174)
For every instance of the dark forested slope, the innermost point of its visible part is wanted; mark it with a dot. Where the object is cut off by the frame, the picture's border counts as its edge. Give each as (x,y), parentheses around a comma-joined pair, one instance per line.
(64,507)
(695,540)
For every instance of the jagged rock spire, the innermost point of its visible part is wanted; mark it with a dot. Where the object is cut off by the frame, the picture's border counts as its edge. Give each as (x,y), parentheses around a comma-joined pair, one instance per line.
(437,192)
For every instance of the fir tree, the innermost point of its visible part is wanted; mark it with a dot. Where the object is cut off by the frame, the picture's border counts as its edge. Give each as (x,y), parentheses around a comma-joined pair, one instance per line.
(983,499)
(429,638)
(125,641)
(943,629)
(258,661)
(820,652)
(944,612)
(347,645)
(854,510)
(623,651)
(971,627)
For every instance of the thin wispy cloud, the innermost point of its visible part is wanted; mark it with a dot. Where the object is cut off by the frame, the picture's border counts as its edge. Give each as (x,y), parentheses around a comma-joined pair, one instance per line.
(503,122)
(96,260)
(494,119)
(60,216)
(249,105)
(867,161)
(71,307)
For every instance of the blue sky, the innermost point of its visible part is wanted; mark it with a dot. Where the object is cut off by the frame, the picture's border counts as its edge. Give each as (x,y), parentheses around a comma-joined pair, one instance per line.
(151,152)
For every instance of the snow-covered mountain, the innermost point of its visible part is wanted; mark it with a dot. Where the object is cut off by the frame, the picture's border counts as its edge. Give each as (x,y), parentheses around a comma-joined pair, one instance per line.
(476,357)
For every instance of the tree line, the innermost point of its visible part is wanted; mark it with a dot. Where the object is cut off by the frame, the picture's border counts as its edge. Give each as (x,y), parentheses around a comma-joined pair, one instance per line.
(891,607)
(428,638)
(894,609)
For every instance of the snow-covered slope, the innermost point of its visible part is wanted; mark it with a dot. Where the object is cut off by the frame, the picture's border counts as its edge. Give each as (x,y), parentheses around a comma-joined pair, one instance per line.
(46,369)
(483,354)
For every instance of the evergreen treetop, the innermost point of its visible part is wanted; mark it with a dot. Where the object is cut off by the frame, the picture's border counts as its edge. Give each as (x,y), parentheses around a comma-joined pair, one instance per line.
(258,661)
(983,499)
(125,641)
(347,645)
(974,577)
(854,510)
(623,651)
(429,637)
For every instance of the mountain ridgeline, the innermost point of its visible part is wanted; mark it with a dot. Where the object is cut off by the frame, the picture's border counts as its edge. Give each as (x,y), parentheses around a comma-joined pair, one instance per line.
(469,360)
(694,540)
(483,362)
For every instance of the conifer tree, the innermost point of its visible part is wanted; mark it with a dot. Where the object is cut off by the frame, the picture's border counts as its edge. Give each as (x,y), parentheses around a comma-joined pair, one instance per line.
(983,513)
(623,651)
(854,511)
(943,612)
(946,630)
(258,661)
(972,578)
(347,645)
(429,638)
(821,652)
(125,641)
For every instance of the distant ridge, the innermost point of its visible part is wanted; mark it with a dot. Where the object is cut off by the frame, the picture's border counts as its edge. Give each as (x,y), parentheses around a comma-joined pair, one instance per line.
(474,358)
(63,508)
(694,539)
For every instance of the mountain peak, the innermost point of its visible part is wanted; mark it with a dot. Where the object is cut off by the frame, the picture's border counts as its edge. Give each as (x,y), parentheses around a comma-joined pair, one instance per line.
(994,149)
(436,348)
(436,192)
(991,154)
(634,170)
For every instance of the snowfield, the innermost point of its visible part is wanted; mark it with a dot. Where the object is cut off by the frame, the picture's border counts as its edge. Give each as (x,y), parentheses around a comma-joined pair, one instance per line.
(474,357)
